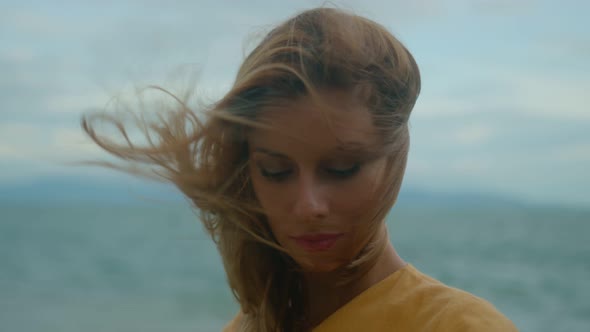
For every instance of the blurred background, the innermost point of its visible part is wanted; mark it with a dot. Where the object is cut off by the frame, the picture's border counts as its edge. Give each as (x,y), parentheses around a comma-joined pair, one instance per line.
(496,198)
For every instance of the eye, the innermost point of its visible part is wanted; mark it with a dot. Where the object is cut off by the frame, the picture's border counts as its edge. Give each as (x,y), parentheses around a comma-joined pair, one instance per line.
(274,170)
(275,175)
(343,173)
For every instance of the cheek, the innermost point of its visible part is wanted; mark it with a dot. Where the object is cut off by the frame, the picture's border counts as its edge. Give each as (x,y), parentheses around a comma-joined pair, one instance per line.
(352,205)
(268,196)
(270,200)
(360,194)
(273,200)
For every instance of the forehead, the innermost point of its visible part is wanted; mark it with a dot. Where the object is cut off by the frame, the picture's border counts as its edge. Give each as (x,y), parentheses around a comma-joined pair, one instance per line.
(339,121)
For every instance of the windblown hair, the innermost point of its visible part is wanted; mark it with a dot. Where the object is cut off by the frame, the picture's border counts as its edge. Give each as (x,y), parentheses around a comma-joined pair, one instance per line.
(207,157)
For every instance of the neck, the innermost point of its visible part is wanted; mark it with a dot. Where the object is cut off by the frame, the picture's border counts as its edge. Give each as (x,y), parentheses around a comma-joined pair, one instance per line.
(324,297)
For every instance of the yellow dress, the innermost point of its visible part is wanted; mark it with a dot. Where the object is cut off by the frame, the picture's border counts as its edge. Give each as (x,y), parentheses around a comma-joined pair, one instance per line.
(409,300)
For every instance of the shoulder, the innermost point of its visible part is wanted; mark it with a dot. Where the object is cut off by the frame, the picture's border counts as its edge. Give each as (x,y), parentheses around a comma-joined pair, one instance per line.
(452,309)
(467,312)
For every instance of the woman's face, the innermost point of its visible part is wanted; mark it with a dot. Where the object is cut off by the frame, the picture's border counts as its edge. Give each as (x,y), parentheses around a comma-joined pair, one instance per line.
(317,182)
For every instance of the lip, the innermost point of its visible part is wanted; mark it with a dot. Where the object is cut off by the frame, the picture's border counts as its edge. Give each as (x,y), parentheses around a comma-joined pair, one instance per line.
(317,242)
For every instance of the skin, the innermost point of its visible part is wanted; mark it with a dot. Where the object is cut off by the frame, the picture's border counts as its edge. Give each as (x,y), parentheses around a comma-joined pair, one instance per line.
(312,177)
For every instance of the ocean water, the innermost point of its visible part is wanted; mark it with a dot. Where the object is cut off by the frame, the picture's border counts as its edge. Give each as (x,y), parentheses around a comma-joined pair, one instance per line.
(144,268)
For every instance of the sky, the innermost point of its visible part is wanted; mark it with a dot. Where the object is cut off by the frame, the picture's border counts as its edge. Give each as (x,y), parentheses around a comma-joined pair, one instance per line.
(503,108)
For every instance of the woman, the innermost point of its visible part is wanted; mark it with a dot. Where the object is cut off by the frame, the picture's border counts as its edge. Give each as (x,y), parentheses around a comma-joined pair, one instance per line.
(293,172)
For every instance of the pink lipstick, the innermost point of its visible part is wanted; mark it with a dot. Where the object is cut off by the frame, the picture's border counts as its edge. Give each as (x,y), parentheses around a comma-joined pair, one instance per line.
(316,242)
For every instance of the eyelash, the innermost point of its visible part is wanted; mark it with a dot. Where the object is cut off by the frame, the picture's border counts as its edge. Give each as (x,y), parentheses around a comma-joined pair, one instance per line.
(336,173)
(279,176)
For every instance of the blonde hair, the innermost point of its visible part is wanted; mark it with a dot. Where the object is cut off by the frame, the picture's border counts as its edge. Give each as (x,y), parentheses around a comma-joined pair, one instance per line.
(207,159)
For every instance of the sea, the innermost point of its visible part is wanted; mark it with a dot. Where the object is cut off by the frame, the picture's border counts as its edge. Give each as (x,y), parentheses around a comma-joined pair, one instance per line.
(150,267)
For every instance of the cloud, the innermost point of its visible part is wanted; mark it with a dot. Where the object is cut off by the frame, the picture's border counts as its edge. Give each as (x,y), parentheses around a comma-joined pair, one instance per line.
(77,102)
(481,87)
(30,22)
(500,108)
(33,142)
(573,153)
(556,175)
(72,144)
(29,151)
(552,96)
(16,55)
(17,139)
(473,134)
(503,7)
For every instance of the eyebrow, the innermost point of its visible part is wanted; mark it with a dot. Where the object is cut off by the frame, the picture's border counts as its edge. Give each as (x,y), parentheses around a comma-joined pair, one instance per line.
(355,147)
(348,147)
(271,153)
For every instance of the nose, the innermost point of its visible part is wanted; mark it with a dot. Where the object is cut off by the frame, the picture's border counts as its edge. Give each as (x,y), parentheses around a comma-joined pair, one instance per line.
(311,203)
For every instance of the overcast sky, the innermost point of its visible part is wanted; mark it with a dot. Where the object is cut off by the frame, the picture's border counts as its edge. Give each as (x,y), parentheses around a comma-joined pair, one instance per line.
(504,104)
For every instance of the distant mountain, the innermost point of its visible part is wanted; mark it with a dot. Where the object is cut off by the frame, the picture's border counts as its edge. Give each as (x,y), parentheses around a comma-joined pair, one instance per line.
(413,196)
(125,189)
(88,190)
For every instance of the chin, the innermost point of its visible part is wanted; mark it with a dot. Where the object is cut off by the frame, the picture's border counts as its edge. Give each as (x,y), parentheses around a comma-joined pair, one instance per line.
(319,265)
